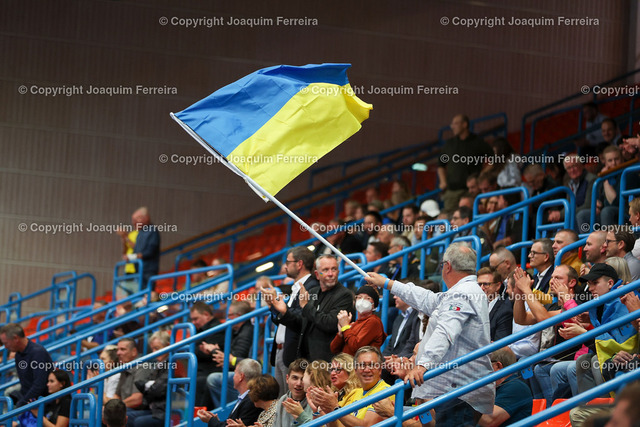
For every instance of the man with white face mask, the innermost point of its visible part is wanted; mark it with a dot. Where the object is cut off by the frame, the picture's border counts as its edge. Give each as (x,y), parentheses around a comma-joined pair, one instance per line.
(367,330)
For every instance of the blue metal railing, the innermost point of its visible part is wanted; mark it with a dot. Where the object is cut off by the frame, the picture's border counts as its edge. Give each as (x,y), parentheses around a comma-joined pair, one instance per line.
(398,388)
(554,104)
(119,279)
(249,268)
(541,227)
(188,388)
(341,195)
(226,328)
(568,248)
(62,295)
(594,197)
(470,226)
(607,387)
(524,210)
(626,193)
(75,340)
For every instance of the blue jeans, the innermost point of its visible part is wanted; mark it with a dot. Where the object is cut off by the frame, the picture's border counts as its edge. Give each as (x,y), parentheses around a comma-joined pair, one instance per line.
(456,413)
(541,382)
(608,216)
(133,414)
(564,373)
(214,384)
(148,421)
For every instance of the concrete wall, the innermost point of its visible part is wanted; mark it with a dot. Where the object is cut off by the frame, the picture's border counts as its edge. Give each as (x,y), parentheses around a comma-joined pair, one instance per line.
(92,159)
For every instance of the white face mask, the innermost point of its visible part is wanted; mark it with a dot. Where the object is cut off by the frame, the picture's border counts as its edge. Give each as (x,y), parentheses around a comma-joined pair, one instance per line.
(363,305)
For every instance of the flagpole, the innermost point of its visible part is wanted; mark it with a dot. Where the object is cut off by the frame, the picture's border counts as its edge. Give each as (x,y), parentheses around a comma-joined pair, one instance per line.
(265,195)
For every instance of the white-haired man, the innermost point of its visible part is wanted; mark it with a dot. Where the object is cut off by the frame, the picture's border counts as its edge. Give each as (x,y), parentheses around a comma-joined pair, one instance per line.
(458,325)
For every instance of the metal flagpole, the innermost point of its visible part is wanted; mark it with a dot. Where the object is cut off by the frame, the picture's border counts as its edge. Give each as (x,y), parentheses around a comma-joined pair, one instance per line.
(265,195)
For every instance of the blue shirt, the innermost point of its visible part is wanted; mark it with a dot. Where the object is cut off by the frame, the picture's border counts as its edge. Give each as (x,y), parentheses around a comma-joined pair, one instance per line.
(515,397)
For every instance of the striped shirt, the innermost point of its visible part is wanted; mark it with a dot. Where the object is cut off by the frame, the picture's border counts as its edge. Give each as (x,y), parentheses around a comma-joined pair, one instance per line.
(458,325)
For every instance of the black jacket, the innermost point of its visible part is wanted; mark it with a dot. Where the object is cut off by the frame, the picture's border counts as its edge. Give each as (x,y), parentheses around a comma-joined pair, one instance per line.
(292,334)
(155,397)
(246,411)
(318,321)
(205,362)
(501,319)
(404,340)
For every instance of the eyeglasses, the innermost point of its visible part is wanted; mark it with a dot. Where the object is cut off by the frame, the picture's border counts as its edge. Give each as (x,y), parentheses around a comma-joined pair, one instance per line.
(336,370)
(610,241)
(289,261)
(496,266)
(534,253)
(484,284)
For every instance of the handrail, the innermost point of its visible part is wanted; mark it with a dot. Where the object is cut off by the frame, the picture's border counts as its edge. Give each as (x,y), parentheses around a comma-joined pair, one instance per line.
(137,276)
(189,381)
(263,311)
(563,101)
(568,248)
(281,253)
(353,182)
(524,210)
(107,325)
(604,388)
(594,198)
(580,132)
(468,226)
(626,193)
(398,386)
(222,239)
(542,227)
(15,305)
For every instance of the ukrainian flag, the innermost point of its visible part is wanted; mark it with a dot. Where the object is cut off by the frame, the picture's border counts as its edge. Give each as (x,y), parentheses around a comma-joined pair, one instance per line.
(276,122)
(617,339)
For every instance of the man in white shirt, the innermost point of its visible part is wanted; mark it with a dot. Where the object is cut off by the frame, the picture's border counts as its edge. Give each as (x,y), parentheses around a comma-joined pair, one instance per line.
(458,325)
(298,266)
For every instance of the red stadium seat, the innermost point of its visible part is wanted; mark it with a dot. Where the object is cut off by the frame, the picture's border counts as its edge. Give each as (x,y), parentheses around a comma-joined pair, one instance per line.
(539,405)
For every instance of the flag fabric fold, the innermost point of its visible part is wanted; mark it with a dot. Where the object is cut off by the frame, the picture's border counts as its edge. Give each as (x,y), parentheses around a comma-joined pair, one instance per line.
(617,339)
(276,122)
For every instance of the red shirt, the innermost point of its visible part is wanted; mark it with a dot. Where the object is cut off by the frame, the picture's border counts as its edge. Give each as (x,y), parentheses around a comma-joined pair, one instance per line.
(363,332)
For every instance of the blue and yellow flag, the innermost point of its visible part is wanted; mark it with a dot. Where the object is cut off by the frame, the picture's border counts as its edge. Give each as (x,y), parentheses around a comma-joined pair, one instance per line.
(622,338)
(276,122)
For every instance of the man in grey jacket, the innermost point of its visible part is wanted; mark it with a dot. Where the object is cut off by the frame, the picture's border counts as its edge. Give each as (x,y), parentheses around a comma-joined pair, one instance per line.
(458,325)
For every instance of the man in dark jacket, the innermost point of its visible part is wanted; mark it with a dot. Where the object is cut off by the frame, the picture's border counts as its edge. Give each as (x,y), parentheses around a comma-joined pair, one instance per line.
(500,309)
(202,318)
(244,409)
(298,266)
(317,319)
(241,340)
(147,246)
(33,363)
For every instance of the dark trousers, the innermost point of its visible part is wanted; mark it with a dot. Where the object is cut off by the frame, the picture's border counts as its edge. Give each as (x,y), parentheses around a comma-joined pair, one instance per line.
(456,413)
